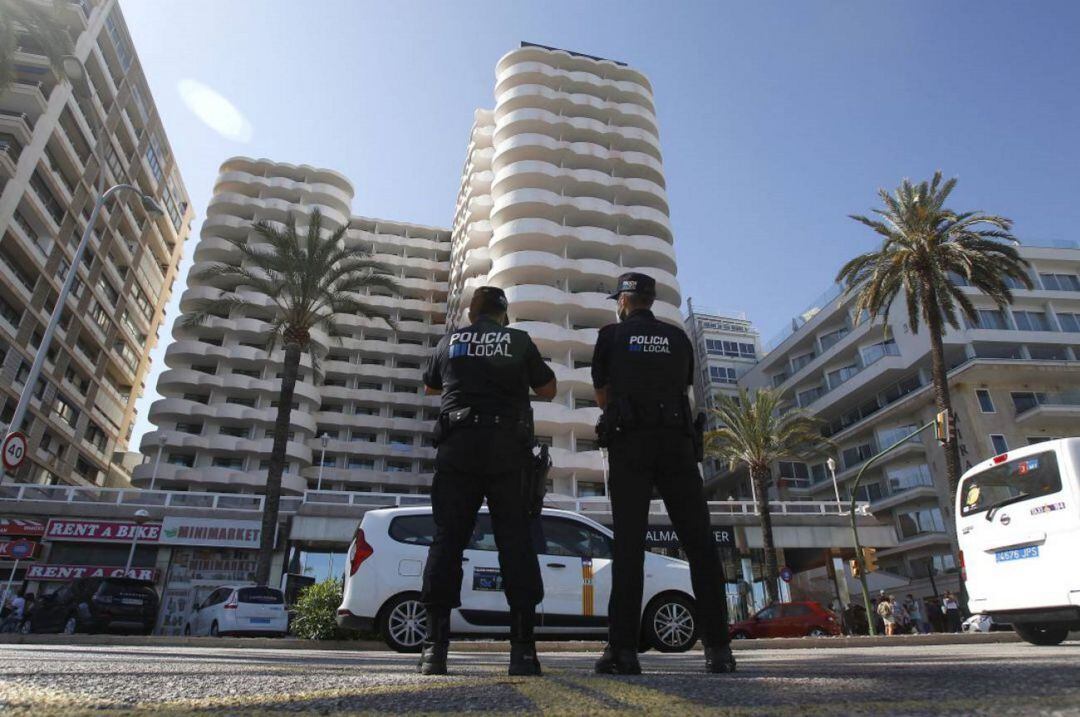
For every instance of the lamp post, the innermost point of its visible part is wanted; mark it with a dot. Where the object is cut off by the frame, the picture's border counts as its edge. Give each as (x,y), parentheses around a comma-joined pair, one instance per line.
(323,439)
(141,516)
(75,72)
(157,461)
(831,463)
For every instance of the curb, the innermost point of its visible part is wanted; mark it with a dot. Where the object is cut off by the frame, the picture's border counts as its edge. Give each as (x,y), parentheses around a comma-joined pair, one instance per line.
(265,643)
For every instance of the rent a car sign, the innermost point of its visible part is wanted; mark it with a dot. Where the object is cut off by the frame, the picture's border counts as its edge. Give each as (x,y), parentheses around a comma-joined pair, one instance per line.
(100,531)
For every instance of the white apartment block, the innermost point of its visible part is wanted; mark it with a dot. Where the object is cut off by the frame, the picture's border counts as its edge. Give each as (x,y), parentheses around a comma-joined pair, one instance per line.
(563,190)
(216,418)
(1014,377)
(84,404)
(726,347)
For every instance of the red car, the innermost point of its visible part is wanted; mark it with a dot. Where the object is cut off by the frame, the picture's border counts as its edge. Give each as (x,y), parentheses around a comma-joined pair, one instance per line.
(788,619)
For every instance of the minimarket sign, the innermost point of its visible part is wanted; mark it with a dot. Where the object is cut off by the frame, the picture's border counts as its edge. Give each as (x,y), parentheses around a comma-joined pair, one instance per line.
(210,532)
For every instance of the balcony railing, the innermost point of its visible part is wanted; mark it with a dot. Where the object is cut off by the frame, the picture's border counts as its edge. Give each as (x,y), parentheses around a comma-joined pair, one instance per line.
(1065,398)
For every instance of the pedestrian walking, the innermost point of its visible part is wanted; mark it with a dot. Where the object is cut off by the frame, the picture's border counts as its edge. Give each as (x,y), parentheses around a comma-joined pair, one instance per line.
(951,607)
(484,438)
(885,612)
(14,612)
(917,611)
(641,369)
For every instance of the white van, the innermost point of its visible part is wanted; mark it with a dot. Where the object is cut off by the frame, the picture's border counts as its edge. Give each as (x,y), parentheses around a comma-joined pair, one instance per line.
(385,574)
(1018,519)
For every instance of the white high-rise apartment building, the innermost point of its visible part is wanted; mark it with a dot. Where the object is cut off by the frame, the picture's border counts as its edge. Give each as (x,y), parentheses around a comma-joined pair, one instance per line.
(215,420)
(83,407)
(1014,378)
(563,190)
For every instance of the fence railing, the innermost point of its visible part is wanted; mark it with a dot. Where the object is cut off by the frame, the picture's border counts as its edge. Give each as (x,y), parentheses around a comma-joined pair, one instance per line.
(132,497)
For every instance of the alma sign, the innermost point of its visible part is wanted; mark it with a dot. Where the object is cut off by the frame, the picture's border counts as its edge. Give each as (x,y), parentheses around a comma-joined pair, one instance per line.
(664,536)
(100,531)
(74,572)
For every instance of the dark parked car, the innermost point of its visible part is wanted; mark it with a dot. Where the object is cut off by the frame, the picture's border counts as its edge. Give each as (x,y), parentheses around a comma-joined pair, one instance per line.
(96,605)
(789,619)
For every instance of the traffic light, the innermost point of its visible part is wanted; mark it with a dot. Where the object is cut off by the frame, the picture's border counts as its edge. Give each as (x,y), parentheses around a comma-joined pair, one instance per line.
(869,556)
(856,571)
(943,427)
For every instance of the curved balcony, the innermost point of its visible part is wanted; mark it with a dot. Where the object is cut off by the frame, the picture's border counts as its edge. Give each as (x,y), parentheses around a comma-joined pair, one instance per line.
(540,174)
(275,210)
(213,478)
(564,59)
(556,418)
(578,462)
(315,189)
(596,242)
(582,129)
(178,381)
(179,409)
(298,172)
(583,155)
(533,203)
(534,70)
(575,104)
(225,226)
(550,338)
(222,444)
(541,267)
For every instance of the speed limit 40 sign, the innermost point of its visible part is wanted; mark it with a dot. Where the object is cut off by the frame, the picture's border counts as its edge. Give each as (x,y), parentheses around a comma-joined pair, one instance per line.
(13,451)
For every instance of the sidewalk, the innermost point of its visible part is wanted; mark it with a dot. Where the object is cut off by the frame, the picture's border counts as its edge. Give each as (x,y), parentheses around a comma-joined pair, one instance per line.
(264,643)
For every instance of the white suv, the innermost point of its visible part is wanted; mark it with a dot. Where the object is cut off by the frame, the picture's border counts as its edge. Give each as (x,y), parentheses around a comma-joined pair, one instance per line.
(386,565)
(240,610)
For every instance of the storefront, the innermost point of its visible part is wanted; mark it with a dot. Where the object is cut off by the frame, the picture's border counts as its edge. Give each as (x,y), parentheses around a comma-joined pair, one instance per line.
(206,553)
(92,548)
(18,535)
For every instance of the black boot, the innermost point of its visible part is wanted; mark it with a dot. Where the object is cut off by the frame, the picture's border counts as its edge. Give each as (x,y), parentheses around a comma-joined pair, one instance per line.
(617,661)
(719,659)
(523,659)
(437,643)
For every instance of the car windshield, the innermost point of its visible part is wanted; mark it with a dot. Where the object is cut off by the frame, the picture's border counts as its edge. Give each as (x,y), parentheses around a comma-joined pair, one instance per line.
(261,596)
(413,529)
(1019,479)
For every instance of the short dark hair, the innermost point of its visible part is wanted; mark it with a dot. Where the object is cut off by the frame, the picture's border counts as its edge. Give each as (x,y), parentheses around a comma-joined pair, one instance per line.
(637,301)
(486,304)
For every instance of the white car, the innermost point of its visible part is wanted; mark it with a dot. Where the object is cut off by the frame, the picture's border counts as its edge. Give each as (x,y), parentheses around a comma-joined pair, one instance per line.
(240,610)
(386,565)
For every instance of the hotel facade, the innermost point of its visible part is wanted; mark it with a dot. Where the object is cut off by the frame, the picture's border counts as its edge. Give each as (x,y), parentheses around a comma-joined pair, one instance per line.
(83,408)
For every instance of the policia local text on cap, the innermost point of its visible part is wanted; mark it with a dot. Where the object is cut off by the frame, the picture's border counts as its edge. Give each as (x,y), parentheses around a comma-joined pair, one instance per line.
(641,369)
(484,438)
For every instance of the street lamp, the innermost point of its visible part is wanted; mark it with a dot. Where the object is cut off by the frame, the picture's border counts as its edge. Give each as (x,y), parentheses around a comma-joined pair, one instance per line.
(75,72)
(323,439)
(157,461)
(141,516)
(831,463)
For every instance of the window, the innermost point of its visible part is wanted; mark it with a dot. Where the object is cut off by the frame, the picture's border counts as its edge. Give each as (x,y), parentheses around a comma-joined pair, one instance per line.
(181,459)
(361,464)
(909,477)
(333,408)
(1060,282)
(113,160)
(12,315)
(878,351)
(584,444)
(1069,322)
(358,437)
(1032,440)
(54,208)
(403,413)
(153,160)
(65,410)
(237,401)
(999,443)
(833,337)
(96,437)
(235,431)
(986,404)
(250,373)
(795,473)
(193,428)
(210,368)
(197,398)
(329,460)
(805,398)
(1024,401)
(584,403)
(1029,477)
(799,361)
(108,289)
(365,411)
(401,440)
(590,490)
(1031,320)
(402,388)
(399,466)
(722,374)
(991,319)
(419,529)
(123,49)
(236,464)
(572,539)
(127,354)
(855,456)
(916,522)
(408,364)
(841,375)
(368,386)
(729,348)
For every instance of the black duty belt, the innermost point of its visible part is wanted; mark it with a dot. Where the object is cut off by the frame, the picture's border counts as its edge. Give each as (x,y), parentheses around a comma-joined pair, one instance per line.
(468,417)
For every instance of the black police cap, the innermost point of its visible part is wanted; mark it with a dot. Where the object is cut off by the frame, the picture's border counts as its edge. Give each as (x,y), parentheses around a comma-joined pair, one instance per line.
(634,283)
(491,294)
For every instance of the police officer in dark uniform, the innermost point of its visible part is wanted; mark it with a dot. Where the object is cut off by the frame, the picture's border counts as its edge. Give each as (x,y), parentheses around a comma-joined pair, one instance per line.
(484,436)
(641,369)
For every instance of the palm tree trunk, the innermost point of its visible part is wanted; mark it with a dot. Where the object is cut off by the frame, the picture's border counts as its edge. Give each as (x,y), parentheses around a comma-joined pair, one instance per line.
(941,387)
(771,570)
(277,464)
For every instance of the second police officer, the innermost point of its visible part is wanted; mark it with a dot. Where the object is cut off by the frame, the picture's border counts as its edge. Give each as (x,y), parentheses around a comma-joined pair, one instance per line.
(641,370)
(484,436)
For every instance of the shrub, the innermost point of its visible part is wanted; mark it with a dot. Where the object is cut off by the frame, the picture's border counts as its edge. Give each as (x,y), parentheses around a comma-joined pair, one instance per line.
(316,612)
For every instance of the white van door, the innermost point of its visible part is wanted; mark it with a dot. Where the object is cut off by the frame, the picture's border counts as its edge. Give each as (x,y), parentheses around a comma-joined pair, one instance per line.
(483,602)
(1019,529)
(574,562)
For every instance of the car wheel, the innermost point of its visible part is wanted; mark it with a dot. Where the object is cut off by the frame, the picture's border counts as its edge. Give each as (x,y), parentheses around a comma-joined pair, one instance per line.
(403,623)
(214,629)
(669,623)
(816,632)
(740,635)
(70,625)
(1042,635)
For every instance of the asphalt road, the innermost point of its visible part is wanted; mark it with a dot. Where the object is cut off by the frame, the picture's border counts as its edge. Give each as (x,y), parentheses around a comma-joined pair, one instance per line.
(983,679)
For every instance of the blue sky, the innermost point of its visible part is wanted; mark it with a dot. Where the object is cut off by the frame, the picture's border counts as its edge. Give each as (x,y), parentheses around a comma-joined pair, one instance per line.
(777,118)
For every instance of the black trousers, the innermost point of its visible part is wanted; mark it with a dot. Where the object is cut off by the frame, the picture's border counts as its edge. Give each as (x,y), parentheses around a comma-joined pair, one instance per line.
(473,464)
(664,459)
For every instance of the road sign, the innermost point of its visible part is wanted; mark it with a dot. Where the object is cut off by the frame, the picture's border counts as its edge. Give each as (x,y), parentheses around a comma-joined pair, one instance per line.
(14,450)
(786,574)
(21,549)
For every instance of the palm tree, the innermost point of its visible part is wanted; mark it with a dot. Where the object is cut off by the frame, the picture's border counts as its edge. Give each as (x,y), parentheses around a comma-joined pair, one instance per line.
(42,24)
(924,242)
(756,432)
(303,283)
